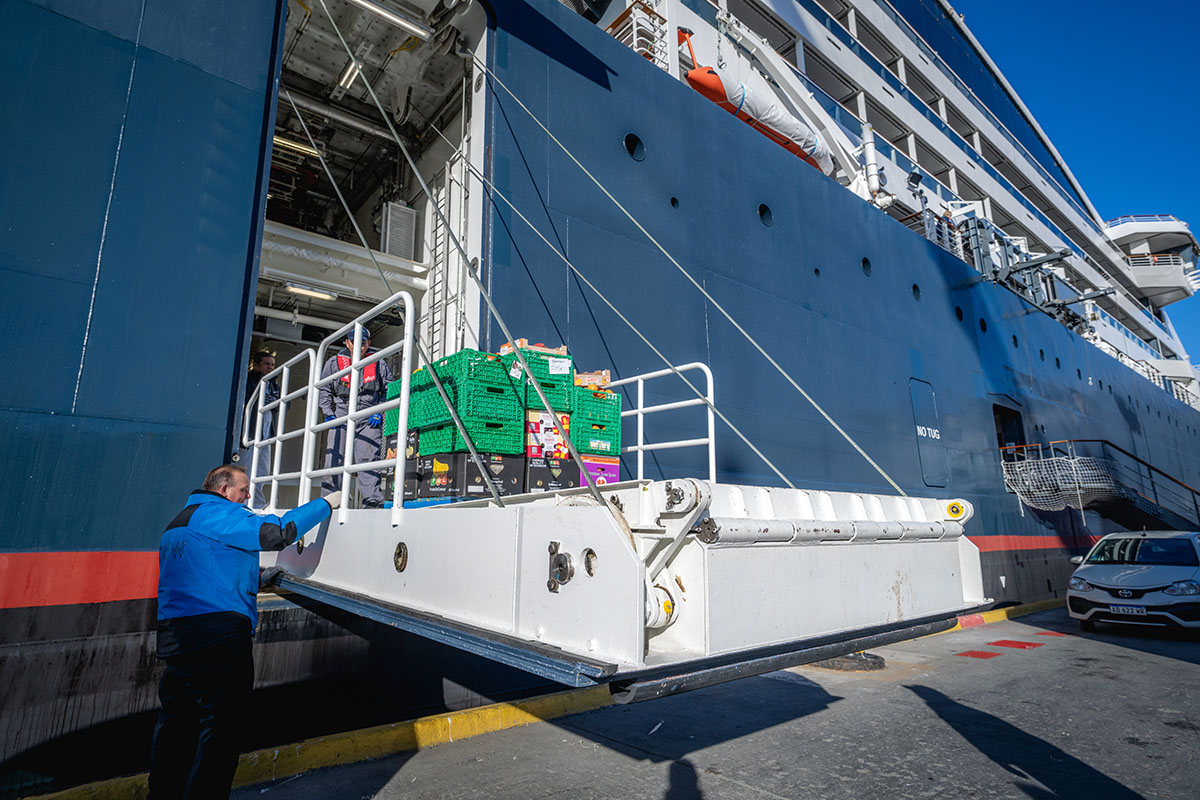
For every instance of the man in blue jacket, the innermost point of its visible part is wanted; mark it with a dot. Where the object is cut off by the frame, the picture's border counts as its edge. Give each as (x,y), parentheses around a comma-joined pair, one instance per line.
(208,581)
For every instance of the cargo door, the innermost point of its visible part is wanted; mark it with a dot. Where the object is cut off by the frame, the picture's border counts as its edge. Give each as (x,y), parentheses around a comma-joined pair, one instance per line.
(929,433)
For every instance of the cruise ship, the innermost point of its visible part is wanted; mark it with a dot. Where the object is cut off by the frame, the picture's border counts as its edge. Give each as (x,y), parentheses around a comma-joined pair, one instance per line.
(840,208)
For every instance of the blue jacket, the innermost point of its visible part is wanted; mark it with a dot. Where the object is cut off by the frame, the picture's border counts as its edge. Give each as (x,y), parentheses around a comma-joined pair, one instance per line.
(208,567)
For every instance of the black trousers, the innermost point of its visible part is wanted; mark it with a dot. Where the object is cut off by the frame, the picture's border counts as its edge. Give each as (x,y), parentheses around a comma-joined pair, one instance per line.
(205,695)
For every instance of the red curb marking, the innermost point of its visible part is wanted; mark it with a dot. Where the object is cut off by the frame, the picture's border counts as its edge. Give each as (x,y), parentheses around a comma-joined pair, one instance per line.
(1015,644)
(971,620)
(978,654)
(1052,633)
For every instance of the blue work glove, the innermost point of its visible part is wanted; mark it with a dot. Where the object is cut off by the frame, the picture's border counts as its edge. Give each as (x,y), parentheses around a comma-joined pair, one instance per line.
(328,417)
(375,421)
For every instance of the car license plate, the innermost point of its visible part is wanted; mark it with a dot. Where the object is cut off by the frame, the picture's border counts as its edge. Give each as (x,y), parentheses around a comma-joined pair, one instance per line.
(1134,611)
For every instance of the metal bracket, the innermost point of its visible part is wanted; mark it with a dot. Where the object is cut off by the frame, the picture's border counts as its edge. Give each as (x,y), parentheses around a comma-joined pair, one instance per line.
(686,502)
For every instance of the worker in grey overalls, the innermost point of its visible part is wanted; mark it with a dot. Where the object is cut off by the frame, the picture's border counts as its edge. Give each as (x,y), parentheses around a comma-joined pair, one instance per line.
(334,400)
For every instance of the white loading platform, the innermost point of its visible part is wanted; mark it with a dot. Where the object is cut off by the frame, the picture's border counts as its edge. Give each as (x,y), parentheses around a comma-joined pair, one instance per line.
(654,587)
(675,585)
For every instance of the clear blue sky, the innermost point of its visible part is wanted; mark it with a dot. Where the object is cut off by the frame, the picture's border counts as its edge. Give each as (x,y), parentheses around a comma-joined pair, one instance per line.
(1116,87)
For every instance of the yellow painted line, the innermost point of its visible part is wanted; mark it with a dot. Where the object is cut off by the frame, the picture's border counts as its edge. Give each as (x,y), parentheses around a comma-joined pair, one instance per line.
(1001,614)
(352,747)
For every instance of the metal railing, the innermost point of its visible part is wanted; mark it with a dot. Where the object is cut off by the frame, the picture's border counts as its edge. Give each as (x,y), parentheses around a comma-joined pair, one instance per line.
(641,410)
(354,415)
(1111,223)
(1132,472)
(644,31)
(1155,260)
(281,434)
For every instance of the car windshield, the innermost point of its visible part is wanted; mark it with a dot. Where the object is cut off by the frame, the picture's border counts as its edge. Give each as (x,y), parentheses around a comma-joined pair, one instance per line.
(1165,552)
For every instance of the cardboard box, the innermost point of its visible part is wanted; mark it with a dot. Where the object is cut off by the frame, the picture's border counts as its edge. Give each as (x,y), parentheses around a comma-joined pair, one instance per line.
(550,474)
(603,469)
(524,344)
(598,379)
(440,475)
(412,474)
(541,435)
(507,473)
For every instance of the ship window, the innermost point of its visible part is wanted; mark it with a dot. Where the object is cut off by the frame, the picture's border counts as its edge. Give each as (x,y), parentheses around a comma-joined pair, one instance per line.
(1079,374)
(1110,388)
(983,324)
(1057,363)
(916,292)
(674,202)
(817,271)
(1101,386)
(958,313)
(1015,342)
(866,266)
(635,148)
(764,213)
(1042,354)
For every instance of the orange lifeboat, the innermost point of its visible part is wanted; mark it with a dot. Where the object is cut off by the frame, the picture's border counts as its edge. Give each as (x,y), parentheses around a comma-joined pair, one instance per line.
(758,111)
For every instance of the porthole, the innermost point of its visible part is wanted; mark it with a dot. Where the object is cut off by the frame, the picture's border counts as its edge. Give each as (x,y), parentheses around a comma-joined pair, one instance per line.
(1101,385)
(1042,355)
(1015,342)
(958,313)
(866,266)
(983,325)
(1057,363)
(764,214)
(1078,374)
(634,146)
(816,272)
(674,202)
(916,290)
(1110,388)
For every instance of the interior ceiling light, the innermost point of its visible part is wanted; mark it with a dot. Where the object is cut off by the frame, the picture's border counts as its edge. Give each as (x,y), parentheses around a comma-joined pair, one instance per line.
(310,291)
(351,72)
(296,146)
(422,32)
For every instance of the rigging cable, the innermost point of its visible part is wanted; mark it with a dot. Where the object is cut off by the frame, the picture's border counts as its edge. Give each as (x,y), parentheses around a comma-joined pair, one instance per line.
(421,351)
(479,175)
(691,279)
(472,270)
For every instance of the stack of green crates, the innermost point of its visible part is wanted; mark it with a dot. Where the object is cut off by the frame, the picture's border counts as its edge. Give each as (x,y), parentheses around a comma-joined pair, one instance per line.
(488,402)
(595,421)
(557,385)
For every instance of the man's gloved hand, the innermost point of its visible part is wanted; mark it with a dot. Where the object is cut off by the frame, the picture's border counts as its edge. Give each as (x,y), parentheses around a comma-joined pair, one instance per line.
(334,499)
(328,417)
(267,576)
(375,420)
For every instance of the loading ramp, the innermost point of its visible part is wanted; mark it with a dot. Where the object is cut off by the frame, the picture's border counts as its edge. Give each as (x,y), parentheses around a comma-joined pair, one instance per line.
(650,586)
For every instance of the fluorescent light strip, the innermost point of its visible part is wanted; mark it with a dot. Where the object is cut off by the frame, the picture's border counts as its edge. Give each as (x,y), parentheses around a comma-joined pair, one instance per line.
(288,144)
(418,30)
(310,291)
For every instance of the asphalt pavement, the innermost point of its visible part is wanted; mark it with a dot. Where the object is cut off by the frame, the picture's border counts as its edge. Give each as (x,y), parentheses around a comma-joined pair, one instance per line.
(1028,708)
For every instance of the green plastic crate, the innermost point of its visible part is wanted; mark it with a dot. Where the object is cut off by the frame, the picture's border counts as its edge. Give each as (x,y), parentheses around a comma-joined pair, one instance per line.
(557,386)
(476,383)
(595,404)
(596,438)
(489,436)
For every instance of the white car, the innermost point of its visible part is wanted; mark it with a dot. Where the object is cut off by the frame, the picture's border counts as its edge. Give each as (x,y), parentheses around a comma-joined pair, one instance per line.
(1138,578)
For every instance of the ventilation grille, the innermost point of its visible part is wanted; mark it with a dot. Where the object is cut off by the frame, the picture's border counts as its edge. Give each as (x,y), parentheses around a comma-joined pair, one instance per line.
(398,231)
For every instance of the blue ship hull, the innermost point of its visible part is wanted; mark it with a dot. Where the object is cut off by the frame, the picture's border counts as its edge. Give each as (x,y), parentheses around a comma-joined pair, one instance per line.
(132,215)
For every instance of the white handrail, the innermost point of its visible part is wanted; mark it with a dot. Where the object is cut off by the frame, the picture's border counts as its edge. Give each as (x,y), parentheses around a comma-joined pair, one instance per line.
(642,410)
(255,444)
(353,413)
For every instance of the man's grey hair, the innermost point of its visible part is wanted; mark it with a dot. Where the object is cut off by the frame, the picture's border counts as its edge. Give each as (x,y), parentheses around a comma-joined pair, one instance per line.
(221,476)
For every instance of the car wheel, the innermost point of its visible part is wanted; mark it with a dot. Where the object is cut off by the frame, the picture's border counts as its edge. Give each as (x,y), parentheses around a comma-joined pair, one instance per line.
(1087,626)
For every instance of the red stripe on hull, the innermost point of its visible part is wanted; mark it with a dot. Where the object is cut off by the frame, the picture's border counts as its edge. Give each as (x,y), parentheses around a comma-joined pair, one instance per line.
(990,544)
(61,579)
